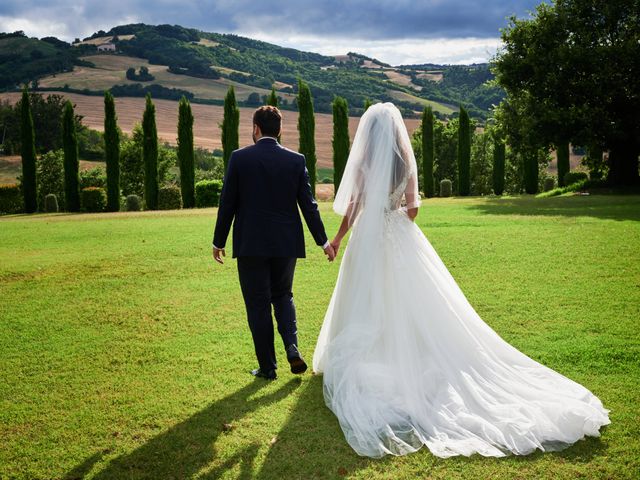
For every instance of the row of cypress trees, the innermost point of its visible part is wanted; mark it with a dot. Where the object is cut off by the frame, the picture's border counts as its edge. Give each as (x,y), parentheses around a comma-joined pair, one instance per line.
(464,155)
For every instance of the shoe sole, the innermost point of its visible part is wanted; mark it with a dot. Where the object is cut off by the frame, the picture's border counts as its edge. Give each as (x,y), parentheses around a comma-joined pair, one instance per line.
(297,365)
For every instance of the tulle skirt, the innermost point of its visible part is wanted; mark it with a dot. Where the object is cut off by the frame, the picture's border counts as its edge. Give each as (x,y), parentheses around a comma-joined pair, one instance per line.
(407,362)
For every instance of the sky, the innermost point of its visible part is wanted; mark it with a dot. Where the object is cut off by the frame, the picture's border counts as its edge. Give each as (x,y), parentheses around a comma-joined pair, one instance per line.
(393,31)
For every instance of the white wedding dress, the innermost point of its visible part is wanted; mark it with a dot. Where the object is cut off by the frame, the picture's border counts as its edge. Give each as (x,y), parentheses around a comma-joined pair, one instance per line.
(406,360)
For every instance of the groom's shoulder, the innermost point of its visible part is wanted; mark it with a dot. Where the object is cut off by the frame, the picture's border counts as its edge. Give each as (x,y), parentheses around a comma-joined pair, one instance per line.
(291,153)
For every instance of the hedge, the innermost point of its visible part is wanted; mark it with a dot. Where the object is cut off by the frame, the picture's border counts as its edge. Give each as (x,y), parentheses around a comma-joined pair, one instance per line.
(208,193)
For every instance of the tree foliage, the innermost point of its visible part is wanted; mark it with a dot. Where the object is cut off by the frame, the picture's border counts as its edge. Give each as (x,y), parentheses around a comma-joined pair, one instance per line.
(428,152)
(572,74)
(340,139)
(186,154)
(150,155)
(28,152)
(71,160)
(230,126)
(464,153)
(112,153)
(307,129)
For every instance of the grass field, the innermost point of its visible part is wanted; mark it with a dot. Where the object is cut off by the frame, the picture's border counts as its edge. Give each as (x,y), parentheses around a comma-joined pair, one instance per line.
(125,353)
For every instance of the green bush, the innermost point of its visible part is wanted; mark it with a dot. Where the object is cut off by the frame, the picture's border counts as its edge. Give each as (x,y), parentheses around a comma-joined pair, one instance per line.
(50,178)
(10,198)
(549,184)
(94,177)
(169,198)
(133,203)
(574,177)
(93,199)
(51,203)
(208,193)
(445,187)
(327,180)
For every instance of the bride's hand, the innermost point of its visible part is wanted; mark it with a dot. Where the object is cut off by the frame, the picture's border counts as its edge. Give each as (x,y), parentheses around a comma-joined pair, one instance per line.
(335,243)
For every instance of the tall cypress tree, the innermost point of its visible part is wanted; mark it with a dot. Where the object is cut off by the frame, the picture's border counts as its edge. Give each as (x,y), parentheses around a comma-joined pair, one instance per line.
(307,129)
(498,166)
(112,153)
(71,162)
(464,153)
(28,152)
(185,154)
(230,125)
(428,152)
(562,151)
(272,100)
(340,139)
(150,155)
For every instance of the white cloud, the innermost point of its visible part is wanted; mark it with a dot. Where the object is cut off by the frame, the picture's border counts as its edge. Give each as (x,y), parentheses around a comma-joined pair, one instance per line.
(395,52)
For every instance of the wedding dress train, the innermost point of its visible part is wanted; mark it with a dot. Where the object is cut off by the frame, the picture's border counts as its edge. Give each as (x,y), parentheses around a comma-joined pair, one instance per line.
(407,361)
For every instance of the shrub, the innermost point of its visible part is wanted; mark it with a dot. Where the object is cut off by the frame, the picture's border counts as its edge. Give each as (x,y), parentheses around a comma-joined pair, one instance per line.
(208,193)
(51,203)
(133,203)
(94,177)
(50,177)
(445,187)
(93,199)
(549,184)
(169,198)
(327,180)
(574,177)
(10,198)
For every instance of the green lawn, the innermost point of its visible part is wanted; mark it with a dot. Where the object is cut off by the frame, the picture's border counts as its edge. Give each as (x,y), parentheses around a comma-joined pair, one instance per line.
(124,350)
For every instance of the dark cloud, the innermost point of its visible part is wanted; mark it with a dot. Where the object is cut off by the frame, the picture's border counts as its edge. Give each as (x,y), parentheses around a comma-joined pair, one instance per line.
(362,19)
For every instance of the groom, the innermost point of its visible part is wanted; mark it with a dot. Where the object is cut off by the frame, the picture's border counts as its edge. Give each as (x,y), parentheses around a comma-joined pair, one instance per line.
(263,187)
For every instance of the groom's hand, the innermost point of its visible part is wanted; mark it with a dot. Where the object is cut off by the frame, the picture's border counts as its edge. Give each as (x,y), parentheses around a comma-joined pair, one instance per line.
(218,253)
(330,252)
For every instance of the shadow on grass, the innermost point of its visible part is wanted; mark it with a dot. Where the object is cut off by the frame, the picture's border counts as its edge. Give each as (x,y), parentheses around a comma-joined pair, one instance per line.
(614,207)
(311,443)
(187,447)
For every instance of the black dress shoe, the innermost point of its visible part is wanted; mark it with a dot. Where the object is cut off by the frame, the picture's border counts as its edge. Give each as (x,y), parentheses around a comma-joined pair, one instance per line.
(295,360)
(269,374)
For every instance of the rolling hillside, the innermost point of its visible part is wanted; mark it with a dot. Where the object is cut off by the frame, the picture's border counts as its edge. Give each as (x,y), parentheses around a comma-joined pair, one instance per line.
(202,65)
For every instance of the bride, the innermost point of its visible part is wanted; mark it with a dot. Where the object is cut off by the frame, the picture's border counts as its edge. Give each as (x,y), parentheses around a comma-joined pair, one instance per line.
(406,360)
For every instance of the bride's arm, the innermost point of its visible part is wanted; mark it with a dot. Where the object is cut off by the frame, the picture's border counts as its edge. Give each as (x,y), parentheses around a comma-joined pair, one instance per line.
(412,196)
(342,231)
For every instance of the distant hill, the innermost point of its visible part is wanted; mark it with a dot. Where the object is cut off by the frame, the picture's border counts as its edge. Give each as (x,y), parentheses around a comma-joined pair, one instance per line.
(202,65)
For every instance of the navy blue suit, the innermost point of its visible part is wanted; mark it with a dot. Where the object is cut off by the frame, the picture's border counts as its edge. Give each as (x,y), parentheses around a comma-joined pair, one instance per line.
(264,185)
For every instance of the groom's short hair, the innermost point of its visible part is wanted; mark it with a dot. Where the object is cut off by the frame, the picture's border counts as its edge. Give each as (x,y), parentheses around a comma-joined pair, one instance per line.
(269,120)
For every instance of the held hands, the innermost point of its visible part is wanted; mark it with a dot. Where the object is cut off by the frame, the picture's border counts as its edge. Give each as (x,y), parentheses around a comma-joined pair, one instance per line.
(329,251)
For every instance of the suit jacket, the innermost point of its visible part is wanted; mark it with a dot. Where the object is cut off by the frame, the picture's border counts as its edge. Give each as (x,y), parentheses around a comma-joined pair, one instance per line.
(263,187)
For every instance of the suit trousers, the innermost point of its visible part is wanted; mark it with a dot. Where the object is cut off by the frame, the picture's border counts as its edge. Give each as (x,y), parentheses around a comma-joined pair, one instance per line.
(267,281)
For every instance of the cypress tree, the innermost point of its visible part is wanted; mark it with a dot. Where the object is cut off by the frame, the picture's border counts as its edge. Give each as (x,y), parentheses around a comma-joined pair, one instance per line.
(428,152)
(340,139)
(272,100)
(498,166)
(307,128)
(185,154)
(230,125)
(464,153)
(112,153)
(562,152)
(150,155)
(71,162)
(28,152)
